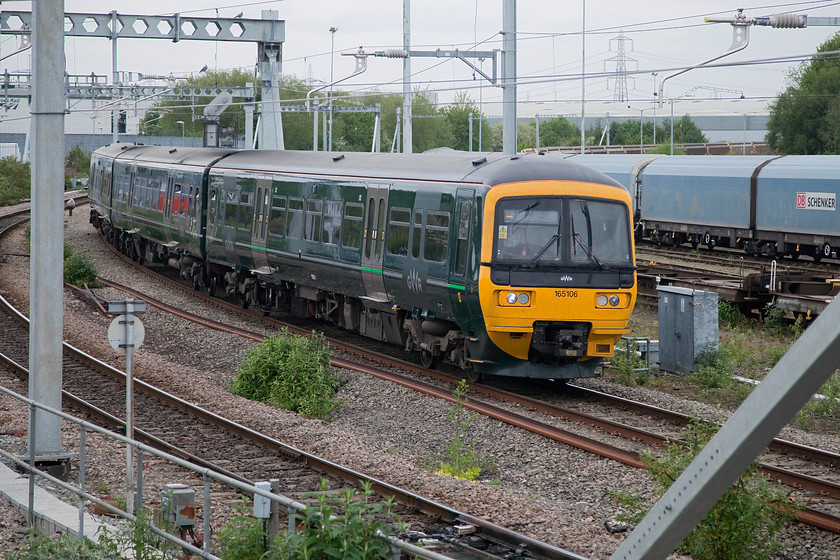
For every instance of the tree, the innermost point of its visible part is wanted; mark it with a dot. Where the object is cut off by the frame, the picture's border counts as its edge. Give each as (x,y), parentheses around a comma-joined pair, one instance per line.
(805,118)
(458,115)
(430,128)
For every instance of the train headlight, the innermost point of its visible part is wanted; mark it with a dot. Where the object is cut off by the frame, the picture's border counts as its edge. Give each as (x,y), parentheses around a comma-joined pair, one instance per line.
(614,300)
(602,300)
(515,299)
(609,300)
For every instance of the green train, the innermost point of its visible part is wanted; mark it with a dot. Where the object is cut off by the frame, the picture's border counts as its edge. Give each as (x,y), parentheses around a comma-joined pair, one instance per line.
(508,265)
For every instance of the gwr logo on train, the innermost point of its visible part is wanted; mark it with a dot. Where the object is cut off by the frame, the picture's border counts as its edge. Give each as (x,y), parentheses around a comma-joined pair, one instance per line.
(816,201)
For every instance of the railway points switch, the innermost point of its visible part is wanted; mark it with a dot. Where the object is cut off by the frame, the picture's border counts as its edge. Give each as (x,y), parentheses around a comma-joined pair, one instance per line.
(688,326)
(177,504)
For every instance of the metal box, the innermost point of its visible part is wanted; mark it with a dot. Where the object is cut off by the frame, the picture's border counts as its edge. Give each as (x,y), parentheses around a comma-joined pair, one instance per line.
(688,325)
(177,503)
(262,505)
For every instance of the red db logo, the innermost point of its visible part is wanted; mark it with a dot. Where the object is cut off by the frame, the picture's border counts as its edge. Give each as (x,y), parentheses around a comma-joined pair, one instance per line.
(800,200)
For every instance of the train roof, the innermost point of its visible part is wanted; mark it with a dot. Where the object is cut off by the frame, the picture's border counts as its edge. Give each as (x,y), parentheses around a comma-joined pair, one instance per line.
(201,157)
(479,168)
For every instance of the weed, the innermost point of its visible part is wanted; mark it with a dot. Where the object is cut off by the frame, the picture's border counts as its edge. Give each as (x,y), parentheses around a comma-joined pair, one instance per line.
(744,524)
(715,368)
(79,269)
(341,525)
(729,315)
(292,372)
(243,537)
(823,412)
(459,458)
(629,366)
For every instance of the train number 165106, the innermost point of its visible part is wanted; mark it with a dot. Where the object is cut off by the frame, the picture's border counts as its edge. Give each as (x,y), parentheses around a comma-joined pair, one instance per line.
(565,293)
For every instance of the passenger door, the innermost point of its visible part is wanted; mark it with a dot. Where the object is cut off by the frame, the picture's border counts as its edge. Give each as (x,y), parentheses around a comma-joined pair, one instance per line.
(262,208)
(373,245)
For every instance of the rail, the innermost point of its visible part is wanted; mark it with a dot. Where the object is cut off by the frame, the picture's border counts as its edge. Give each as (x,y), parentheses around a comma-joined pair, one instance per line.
(397,546)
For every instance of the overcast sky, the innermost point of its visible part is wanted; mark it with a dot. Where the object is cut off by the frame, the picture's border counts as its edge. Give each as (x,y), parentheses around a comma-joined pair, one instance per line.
(662,36)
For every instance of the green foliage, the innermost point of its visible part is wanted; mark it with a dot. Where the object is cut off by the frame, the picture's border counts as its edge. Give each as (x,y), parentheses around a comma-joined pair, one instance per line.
(744,524)
(60,547)
(459,459)
(14,181)
(292,372)
(715,369)
(78,268)
(627,363)
(805,118)
(137,541)
(341,526)
(823,411)
(243,537)
(729,315)
(77,162)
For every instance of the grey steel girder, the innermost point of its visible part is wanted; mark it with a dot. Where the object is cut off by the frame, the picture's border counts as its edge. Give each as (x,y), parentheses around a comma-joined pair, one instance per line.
(176,27)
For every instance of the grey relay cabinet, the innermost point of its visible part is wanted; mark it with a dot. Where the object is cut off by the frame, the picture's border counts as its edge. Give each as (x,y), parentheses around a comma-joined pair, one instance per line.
(688,325)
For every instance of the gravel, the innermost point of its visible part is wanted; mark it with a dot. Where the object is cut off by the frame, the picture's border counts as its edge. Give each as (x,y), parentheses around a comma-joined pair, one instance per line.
(543,489)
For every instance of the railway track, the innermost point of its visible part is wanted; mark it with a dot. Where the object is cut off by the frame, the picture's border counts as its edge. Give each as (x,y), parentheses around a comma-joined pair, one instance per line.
(818,483)
(212,441)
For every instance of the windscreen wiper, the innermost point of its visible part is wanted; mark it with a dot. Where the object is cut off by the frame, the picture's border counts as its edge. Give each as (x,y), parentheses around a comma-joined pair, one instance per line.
(579,240)
(533,262)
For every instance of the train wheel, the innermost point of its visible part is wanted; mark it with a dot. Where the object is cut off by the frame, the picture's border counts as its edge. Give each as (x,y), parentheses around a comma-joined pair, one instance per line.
(473,376)
(429,360)
(825,250)
(211,286)
(708,241)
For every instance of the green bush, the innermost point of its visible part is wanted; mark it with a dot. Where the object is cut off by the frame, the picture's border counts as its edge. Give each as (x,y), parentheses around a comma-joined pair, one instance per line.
(291,372)
(628,364)
(823,412)
(744,524)
(459,459)
(14,181)
(243,537)
(78,268)
(729,315)
(342,525)
(715,369)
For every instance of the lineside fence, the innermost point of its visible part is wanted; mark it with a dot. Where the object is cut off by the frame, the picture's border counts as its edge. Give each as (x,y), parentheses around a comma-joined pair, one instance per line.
(141,450)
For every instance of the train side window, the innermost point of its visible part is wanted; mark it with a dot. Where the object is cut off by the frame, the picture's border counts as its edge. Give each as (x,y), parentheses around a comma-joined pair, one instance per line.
(294,227)
(417,232)
(369,229)
(230,209)
(437,234)
(462,243)
(399,223)
(264,213)
(213,202)
(277,225)
(380,229)
(245,212)
(351,226)
(176,199)
(313,220)
(332,222)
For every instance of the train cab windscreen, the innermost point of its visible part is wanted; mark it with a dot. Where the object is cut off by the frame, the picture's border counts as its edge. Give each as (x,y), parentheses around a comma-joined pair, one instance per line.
(539,232)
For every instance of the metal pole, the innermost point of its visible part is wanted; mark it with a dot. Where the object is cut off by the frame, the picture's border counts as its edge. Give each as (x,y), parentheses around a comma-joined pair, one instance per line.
(47,233)
(332,58)
(641,131)
(115,112)
(129,405)
(583,80)
(509,77)
(470,119)
(82,455)
(407,127)
(672,127)
(537,126)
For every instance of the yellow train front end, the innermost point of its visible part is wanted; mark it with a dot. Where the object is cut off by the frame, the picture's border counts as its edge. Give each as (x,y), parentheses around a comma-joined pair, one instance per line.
(557,283)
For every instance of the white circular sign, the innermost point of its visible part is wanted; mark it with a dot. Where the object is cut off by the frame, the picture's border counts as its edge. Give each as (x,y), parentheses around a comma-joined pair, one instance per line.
(116,333)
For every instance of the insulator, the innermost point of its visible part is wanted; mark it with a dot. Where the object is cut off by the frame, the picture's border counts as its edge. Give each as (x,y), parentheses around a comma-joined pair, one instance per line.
(787,21)
(396,53)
